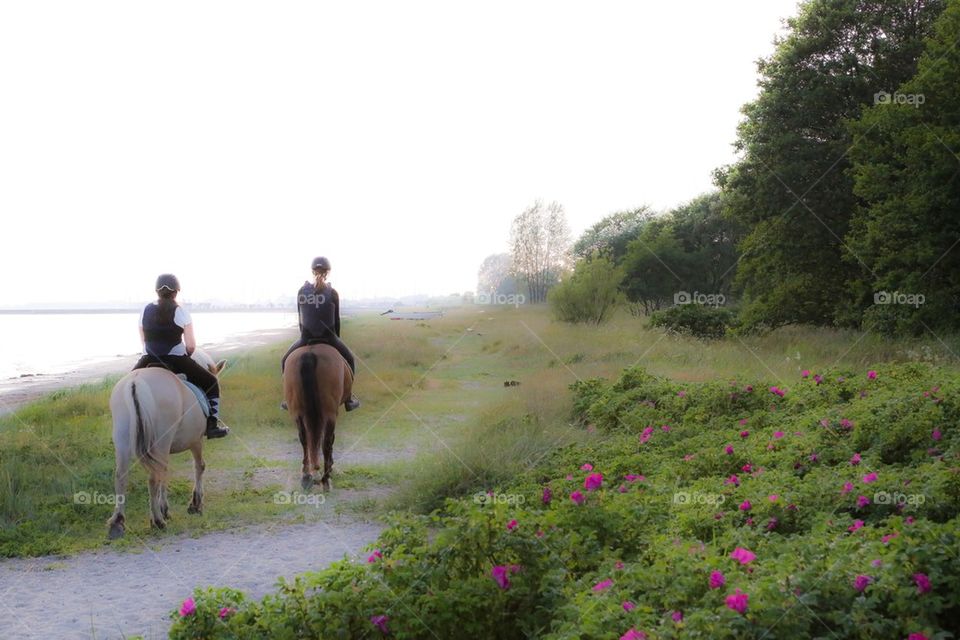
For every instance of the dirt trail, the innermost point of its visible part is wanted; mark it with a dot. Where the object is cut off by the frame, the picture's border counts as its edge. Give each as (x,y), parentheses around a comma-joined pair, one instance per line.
(106,595)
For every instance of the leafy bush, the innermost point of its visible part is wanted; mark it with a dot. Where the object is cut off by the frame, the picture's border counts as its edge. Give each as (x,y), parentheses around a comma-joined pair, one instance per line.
(590,294)
(698,320)
(827,507)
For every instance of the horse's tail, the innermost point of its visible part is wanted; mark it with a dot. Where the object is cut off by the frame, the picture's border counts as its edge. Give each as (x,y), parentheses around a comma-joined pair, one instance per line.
(310,404)
(143,433)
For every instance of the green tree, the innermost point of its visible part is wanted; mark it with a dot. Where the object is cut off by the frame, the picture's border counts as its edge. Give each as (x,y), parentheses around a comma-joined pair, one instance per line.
(612,234)
(906,168)
(590,294)
(792,188)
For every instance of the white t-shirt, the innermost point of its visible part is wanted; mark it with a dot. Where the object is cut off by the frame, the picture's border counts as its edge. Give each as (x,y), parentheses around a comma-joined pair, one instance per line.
(181,318)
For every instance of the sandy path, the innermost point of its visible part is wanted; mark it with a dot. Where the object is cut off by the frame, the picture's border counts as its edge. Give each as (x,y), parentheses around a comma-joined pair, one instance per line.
(113,595)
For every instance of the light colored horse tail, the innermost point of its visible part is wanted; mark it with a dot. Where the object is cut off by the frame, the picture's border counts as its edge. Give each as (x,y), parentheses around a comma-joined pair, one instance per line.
(143,433)
(310,407)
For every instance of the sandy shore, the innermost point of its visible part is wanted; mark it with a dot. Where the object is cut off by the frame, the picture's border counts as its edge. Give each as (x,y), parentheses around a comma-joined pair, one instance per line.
(17,392)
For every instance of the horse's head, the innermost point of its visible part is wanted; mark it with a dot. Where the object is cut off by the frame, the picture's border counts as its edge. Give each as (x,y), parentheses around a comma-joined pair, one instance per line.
(205,361)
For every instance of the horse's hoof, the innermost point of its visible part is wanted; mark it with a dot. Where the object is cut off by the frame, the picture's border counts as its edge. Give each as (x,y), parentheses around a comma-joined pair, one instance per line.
(116,531)
(194,509)
(158,524)
(325,484)
(306,482)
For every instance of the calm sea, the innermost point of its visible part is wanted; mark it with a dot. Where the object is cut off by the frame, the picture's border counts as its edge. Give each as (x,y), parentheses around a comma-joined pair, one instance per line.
(49,343)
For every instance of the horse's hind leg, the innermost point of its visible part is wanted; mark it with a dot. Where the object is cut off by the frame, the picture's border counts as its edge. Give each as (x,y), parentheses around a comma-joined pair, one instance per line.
(306,479)
(156,498)
(328,437)
(117,520)
(196,503)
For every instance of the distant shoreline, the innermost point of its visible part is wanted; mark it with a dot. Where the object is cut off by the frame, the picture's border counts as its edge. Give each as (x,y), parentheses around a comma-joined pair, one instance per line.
(189,307)
(19,391)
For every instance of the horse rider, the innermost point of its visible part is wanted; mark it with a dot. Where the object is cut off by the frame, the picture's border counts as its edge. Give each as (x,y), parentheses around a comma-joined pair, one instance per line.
(166,331)
(318,307)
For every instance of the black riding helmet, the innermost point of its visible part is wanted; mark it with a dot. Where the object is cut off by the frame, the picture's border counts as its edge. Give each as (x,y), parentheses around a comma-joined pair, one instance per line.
(320,264)
(167,281)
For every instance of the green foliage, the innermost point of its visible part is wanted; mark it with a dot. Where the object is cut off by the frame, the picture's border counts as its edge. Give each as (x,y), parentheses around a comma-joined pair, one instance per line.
(590,294)
(700,321)
(690,249)
(666,515)
(793,187)
(905,168)
(612,234)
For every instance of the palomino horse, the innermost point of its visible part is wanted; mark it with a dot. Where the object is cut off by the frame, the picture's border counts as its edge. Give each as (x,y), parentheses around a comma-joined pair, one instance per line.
(154,415)
(316,381)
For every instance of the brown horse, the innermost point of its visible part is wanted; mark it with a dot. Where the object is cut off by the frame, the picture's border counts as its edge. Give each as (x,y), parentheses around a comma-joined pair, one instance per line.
(316,381)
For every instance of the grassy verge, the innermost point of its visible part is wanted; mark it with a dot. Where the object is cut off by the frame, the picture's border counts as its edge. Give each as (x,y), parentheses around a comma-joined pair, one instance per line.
(436,422)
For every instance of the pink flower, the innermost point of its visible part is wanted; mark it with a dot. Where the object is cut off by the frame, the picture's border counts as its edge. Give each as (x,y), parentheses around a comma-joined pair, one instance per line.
(512,525)
(777,391)
(773,497)
(717,580)
(917,636)
(226,612)
(862,501)
(890,536)
(805,373)
(743,421)
(872,375)
(734,480)
(869,478)
(618,565)
(818,378)
(728,450)
(666,427)
(547,495)
(681,394)
(876,563)
(845,424)
(847,488)
(743,556)
(373,557)
(622,488)
(586,467)
(689,457)
(738,601)
(772,524)
(745,505)
(628,606)
(647,433)
(633,634)
(744,433)
(593,481)
(603,585)
(499,574)
(936,435)
(380,622)
(577,497)
(677,616)
(632,477)
(778,434)
(857,524)
(923,582)
(861,583)
(747,468)
(909,520)
(188,608)
(855,459)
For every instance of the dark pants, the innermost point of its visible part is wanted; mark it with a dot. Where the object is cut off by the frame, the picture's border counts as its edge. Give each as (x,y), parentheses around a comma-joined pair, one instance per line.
(195,373)
(331,340)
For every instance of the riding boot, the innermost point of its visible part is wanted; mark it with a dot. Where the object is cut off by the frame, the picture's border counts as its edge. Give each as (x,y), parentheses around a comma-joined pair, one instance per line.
(214,430)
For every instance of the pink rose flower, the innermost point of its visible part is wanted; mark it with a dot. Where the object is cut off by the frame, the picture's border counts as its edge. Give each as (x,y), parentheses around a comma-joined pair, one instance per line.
(188,608)
(577,497)
(738,601)
(743,556)
(717,580)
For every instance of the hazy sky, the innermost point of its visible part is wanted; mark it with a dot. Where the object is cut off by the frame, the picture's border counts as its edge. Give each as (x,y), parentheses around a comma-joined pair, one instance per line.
(230,142)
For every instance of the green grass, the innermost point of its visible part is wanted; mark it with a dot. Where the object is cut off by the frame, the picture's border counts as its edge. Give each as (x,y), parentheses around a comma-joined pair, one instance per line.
(436,419)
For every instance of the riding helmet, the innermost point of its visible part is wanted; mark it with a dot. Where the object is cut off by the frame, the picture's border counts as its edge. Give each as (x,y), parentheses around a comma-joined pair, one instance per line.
(167,281)
(320,264)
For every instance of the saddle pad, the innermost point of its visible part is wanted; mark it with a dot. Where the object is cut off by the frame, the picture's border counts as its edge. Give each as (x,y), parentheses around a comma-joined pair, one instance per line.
(201,396)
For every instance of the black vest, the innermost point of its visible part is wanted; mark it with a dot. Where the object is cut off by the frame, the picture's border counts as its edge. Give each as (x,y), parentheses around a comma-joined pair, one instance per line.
(159,337)
(318,311)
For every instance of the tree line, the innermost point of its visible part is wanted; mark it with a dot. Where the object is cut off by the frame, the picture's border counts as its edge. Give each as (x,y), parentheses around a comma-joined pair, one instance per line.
(843,208)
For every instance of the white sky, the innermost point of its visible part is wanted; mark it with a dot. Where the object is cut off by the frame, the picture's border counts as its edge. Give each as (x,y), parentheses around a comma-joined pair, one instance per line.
(230,142)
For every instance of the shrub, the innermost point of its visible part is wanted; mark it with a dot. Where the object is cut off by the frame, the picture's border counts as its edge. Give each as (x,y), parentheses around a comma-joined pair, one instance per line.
(701,321)
(590,294)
